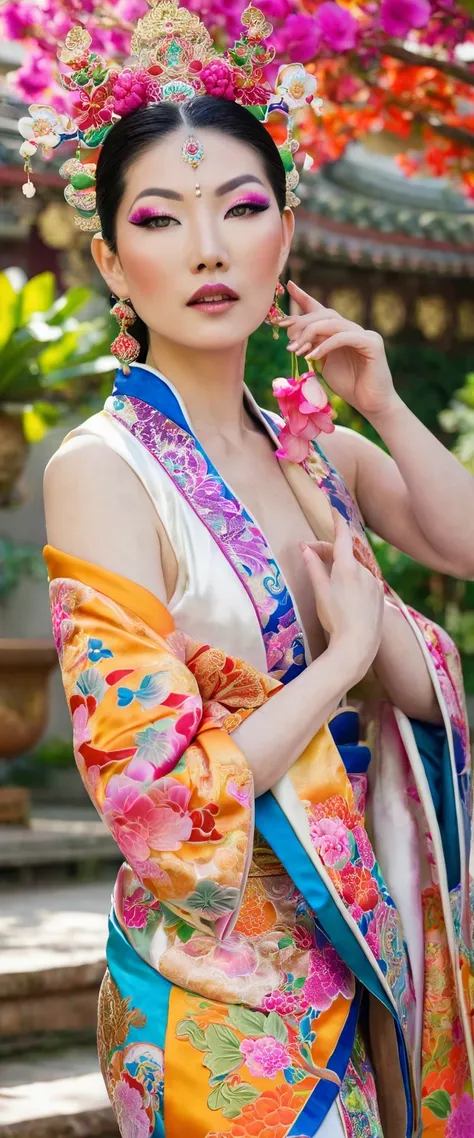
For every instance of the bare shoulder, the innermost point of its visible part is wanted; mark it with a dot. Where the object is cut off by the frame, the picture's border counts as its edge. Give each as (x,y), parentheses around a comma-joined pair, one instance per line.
(97,510)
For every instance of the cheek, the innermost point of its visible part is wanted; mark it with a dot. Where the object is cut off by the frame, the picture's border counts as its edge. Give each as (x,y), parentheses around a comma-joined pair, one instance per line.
(147,268)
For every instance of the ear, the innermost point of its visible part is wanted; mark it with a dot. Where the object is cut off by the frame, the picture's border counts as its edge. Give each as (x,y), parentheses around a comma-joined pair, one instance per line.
(287,231)
(108,264)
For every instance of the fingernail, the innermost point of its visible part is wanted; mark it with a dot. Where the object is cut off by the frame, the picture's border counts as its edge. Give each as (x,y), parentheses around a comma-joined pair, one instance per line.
(293,345)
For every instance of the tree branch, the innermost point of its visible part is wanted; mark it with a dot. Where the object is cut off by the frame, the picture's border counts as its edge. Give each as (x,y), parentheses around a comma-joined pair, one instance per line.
(454,133)
(455,70)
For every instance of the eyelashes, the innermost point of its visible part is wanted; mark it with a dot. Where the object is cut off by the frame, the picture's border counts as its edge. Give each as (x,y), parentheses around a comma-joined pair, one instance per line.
(149,218)
(254,203)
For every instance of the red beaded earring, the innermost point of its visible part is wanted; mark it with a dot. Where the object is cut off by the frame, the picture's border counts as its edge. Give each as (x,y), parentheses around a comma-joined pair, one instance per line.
(125,348)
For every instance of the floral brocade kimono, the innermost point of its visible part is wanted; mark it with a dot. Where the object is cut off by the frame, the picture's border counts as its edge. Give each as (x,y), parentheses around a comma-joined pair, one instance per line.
(289,965)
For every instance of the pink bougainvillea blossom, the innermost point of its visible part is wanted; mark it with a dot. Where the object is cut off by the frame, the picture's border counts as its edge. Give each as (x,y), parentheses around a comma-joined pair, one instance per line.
(298,40)
(337,26)
(398,17)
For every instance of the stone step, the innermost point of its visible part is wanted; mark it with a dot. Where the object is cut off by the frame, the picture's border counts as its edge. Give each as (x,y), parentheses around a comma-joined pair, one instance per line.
(55,841)
(55,1096)
(52,958)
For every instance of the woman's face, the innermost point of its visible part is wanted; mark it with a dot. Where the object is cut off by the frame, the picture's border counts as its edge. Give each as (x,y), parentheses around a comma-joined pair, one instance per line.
(171,242)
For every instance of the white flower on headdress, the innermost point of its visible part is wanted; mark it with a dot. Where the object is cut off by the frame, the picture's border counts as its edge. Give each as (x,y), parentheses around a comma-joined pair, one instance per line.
(296,86)
(45,126)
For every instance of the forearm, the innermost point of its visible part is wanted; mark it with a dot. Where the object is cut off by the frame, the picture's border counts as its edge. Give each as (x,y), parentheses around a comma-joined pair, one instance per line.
(441,490)
(277,733)
(401,669)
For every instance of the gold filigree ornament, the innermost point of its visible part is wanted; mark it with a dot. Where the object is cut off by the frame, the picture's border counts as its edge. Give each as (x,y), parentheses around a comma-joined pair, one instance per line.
(173,60)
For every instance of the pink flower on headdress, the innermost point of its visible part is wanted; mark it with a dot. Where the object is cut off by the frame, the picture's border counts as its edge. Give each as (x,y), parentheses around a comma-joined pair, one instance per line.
(94,108)
(398,17)
(306,411)
(218,79)
(130,91)
(337,26)
(248,91)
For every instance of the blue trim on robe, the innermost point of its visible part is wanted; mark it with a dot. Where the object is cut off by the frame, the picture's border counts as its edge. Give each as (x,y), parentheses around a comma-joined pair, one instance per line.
(276,829)
(432,742)
(345,730)
(152,390)
(325,1094)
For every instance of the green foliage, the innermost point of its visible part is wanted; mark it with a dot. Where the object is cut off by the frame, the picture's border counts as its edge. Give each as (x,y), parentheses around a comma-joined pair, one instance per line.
(36,768)
(266,360)
(458,419)
(426,379)
(17,561)
(50,358)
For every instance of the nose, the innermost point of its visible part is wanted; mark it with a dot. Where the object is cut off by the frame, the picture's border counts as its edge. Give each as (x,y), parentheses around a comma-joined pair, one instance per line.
(207,246)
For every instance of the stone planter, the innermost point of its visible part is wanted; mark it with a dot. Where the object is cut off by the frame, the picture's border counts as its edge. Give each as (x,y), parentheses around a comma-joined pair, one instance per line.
(13,455)
(25,667)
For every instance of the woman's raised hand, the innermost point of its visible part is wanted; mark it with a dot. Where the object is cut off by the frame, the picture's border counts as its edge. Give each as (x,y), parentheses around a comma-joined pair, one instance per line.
(349,600)
(354,363)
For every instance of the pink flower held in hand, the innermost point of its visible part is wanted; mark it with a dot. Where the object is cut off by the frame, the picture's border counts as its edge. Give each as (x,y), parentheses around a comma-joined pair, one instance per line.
(398,17)
(305,408)
(337,26)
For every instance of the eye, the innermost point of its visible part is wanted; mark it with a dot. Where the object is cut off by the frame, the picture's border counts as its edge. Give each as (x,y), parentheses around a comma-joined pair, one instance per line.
(153,220)
(245,209)
(160,222)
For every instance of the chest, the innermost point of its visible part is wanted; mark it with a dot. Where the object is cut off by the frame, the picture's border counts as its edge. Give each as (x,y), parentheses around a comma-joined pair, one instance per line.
(259,483)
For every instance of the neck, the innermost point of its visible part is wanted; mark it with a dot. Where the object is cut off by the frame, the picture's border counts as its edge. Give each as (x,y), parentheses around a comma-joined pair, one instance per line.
(210,384)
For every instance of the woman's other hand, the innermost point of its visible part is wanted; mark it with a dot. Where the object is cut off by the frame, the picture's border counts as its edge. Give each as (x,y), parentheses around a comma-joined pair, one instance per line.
(354,363)
(349,600)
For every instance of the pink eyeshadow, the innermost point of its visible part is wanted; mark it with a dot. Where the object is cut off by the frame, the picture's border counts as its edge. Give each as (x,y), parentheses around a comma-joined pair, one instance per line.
(251,199)
(144,212)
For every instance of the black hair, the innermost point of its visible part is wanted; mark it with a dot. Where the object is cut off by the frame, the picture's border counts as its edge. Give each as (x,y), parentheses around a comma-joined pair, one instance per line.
(133,134)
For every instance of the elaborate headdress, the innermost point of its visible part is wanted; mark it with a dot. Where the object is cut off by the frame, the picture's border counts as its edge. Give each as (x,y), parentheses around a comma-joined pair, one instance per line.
(174,59)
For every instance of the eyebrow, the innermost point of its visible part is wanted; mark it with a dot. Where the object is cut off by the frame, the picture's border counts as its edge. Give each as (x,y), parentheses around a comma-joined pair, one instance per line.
(226,188)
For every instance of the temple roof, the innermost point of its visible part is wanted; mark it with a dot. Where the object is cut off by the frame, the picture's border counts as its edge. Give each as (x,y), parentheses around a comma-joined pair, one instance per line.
(363,210)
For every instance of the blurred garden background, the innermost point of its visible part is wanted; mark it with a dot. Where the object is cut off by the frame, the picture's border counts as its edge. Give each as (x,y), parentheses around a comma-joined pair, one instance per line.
(385,234)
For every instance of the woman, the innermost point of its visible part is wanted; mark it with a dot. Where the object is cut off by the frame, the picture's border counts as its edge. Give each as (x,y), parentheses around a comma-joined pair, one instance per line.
(272,969)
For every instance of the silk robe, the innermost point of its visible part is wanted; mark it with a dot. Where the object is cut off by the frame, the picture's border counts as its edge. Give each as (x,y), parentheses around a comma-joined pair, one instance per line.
(260,949)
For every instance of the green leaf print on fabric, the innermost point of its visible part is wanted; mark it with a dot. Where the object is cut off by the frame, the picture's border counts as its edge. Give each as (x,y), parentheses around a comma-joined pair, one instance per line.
(224,1054)
(211,900)
(231,1100)
(439,1103)
(276,1027)
(186,1028)
(247,1022)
